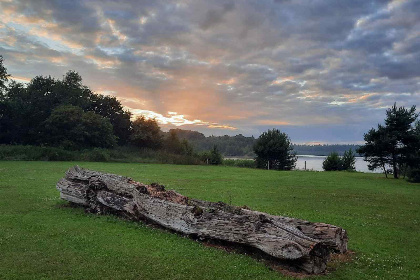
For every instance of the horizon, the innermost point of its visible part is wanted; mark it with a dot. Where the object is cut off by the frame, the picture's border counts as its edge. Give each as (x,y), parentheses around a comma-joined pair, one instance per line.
(322,72)
(314,143)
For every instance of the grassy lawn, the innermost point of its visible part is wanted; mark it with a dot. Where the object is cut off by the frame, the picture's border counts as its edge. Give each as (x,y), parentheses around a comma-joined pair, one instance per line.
(40,238)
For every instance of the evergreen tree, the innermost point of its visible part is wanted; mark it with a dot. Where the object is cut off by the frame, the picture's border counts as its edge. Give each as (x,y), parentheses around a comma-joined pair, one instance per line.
(348,160)
(216,157)
(332,162)
(393,144)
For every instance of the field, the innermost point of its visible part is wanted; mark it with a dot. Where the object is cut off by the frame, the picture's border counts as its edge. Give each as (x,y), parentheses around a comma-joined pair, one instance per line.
(41,238)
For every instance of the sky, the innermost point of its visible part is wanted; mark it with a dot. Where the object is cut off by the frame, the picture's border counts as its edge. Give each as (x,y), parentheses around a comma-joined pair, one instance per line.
(321,71)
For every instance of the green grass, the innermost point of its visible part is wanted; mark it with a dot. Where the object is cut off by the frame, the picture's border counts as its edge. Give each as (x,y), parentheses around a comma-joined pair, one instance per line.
(40,238)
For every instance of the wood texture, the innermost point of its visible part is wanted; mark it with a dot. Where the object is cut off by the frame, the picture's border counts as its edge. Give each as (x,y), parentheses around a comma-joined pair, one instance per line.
(301,243)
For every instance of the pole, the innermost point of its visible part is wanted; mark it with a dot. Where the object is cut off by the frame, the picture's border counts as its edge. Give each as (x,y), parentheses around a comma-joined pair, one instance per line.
(305,164)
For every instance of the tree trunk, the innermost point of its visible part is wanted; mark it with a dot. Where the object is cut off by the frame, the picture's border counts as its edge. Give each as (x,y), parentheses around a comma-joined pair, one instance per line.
(386,173)
(394,165)
(304,244)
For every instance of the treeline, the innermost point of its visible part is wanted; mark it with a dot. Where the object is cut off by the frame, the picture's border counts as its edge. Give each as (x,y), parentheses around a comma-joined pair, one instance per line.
(61,113)
(57,115)
(238,145)
(323,150)
(242,146)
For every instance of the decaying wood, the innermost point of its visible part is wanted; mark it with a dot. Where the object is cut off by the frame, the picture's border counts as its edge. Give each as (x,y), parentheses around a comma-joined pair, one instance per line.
(307,245)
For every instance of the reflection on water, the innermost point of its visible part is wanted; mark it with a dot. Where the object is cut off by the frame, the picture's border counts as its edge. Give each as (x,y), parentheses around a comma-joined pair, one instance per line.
(315,163)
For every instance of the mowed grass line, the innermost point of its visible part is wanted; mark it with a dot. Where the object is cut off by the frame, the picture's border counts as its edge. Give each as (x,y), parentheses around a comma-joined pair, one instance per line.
(41,238)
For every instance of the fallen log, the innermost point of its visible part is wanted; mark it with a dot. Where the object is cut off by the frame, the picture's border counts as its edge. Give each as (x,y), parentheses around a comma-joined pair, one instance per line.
(303,244)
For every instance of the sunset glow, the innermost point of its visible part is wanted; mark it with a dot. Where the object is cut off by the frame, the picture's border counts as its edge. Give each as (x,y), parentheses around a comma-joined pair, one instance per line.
(228,67)
(173,118)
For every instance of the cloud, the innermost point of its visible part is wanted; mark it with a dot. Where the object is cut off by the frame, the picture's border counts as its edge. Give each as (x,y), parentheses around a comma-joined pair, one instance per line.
(249,65)
(174,119)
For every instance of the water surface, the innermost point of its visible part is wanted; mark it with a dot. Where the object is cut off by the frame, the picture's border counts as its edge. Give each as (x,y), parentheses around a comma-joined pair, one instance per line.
(315,163)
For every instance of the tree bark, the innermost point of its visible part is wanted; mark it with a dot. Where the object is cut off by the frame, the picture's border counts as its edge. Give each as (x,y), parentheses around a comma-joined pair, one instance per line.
(386,173)
(303,244)
(394,165)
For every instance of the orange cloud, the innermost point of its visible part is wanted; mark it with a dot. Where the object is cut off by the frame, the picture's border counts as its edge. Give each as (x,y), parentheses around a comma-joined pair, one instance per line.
(38,27)
(282,80)
(229,82)
(58,59)
(272,122)
(115,31)
(21,79)
(176,119)
(103,62)
(360,98)
(49,34)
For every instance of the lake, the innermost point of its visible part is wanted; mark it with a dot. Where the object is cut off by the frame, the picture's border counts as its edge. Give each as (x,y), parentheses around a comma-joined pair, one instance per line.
(315,163)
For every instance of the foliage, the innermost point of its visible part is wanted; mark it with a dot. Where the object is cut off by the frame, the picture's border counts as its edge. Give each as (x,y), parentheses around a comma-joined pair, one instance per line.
(173,145)
(213,156)
(31,153)
(333,162)
(4,76)
(413,174)
(348,160)
(395,144)
(376,149)
(274,151)
(111,108)
(96,154)
(72,128)
(190,135)
(238,145)
(413,159)
(24,109)
(117,154)
(216,157)
(248,163)
(146,133)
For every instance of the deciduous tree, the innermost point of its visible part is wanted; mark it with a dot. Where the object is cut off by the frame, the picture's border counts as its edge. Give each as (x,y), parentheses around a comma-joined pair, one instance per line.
(4,76)
(274,151)
(72,128)
(146,133)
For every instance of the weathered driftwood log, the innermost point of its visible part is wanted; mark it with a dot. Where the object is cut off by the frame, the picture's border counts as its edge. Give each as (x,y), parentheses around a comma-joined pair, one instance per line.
(307,245)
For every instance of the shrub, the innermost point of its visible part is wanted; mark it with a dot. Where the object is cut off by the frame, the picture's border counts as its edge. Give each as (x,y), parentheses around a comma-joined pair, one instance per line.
(247,163)
(413,175)
(96,155)
(332,162)
(21,152)
(336,163)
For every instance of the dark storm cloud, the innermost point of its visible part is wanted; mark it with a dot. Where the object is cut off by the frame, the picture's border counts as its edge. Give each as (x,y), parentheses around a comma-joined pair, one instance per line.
(250,64)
